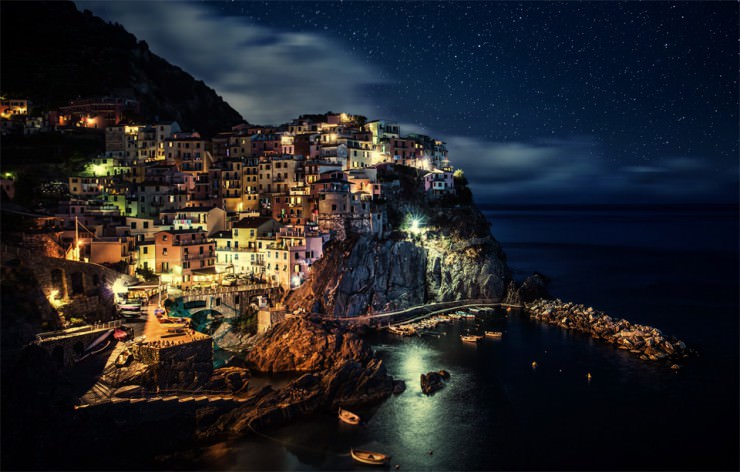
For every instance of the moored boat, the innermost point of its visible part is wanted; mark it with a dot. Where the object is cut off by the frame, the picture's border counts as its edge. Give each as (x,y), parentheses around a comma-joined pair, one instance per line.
(131,315)
(348,417)
(494,334)
(130,306)
(369,457)
(471,338)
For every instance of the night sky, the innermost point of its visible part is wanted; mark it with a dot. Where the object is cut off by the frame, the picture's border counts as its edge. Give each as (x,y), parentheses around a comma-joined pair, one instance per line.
(539,102)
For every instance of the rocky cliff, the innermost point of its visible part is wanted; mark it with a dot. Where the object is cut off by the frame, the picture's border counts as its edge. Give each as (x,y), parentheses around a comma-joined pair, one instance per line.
(303,345)
(341,370)
(453,256)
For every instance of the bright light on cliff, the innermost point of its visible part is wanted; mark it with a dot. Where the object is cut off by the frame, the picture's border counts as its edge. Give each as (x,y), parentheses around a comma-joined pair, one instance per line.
(413,223)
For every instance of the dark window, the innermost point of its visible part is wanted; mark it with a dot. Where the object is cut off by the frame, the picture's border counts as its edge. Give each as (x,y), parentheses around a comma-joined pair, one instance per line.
(77,283)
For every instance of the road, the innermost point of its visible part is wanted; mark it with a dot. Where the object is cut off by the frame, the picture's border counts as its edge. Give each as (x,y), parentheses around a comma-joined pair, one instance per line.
(424,311)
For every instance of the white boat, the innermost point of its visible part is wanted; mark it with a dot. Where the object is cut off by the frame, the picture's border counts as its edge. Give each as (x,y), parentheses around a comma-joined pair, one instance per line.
(494,334)
(129,306)
(369,457)
(471,338)
(348,417)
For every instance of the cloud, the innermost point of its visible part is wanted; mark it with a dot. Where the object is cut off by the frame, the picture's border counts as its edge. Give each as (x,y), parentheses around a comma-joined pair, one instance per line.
(575,170)
(268,75)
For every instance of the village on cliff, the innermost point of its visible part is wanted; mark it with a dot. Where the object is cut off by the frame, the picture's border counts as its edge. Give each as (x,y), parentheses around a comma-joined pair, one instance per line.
(251,204)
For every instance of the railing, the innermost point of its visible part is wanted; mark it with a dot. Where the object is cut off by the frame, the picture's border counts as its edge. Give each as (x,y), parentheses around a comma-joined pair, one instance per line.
(63,333)
(197,257)
(228,289)
(189,242)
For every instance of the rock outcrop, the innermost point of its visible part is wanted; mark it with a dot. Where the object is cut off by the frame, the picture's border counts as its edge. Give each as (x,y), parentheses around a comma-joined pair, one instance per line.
(433,381)
(303,345)
(645,341)
(445,262)
(533,288)
(341,370)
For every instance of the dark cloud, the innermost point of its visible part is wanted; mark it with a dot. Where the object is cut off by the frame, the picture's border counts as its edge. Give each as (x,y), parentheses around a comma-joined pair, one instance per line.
(268,75)
(575,171)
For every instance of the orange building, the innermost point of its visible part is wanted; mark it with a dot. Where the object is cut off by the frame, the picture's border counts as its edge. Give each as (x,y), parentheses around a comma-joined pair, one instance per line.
(184,256)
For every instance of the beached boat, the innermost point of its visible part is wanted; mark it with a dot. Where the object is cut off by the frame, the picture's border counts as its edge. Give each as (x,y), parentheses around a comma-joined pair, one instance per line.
(402,330)
(101,348)
(131,315)
(369,457)
(130,306)
(348,417)
(98,345)
(494,334)
(471,338)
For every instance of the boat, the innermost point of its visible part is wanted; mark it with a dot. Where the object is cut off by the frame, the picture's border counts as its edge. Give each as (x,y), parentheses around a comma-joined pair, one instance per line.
(129,306)
(348,417)
(98,345)
(471,338)
(402,330)
(369,457)
(120,334)
(494,334)
(464,314)
(102,348)
(131,315)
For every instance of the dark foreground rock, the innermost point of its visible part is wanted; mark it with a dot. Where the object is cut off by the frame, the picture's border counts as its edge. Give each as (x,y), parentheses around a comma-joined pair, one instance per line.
(433,381)
(303,345)
(645,341)
(342,370)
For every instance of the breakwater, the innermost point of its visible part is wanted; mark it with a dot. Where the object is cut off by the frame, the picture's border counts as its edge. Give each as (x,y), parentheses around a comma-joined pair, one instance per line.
(644,341)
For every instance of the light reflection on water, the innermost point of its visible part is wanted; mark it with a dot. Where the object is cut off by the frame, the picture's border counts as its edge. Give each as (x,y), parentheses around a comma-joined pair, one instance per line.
(496,412)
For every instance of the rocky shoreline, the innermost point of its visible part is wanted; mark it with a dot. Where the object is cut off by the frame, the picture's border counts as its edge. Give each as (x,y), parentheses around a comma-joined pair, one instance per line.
(339,370)
(644,341)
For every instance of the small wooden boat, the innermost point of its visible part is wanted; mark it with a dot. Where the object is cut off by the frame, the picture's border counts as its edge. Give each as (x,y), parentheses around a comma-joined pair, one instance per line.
(369,457)
(101,348)
(494,334)
(131,315)
(129,306)
(348,417)
(471,338)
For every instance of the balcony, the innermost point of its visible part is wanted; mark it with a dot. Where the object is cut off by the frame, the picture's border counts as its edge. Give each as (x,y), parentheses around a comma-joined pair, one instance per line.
(178,242)
(197,257)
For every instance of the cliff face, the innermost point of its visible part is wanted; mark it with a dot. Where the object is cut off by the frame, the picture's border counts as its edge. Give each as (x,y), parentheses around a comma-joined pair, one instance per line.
(301,345)
(90,57)
(453,258)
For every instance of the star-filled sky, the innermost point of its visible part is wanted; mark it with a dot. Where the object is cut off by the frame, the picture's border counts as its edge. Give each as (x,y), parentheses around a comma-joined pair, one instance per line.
(539,102)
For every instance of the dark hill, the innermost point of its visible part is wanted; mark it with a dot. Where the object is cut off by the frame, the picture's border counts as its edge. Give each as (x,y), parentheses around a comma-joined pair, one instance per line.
(52,53)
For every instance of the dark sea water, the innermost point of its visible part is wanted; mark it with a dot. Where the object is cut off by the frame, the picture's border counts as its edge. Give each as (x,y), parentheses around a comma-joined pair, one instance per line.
(675,270)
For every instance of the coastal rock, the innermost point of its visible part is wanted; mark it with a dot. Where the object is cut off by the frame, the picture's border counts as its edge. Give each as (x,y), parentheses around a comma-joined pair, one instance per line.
(432,381)
(234,380)
(350,383)
(534,287)
(455,258)
(341,371)
(399,386)
(645,341)
(302,345)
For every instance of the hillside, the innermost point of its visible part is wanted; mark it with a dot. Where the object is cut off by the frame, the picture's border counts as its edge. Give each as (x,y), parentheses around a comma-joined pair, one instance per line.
(52,53)
(452,256)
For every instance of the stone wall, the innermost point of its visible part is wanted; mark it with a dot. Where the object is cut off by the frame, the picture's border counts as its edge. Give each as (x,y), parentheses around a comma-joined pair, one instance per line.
(182,365)
(74,289)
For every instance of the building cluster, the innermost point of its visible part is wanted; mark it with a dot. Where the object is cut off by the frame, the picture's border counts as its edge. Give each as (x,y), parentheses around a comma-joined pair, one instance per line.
(89,112)
(259,202)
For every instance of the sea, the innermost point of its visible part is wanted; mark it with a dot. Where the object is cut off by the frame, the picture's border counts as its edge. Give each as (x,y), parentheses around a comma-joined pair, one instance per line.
(674,268)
